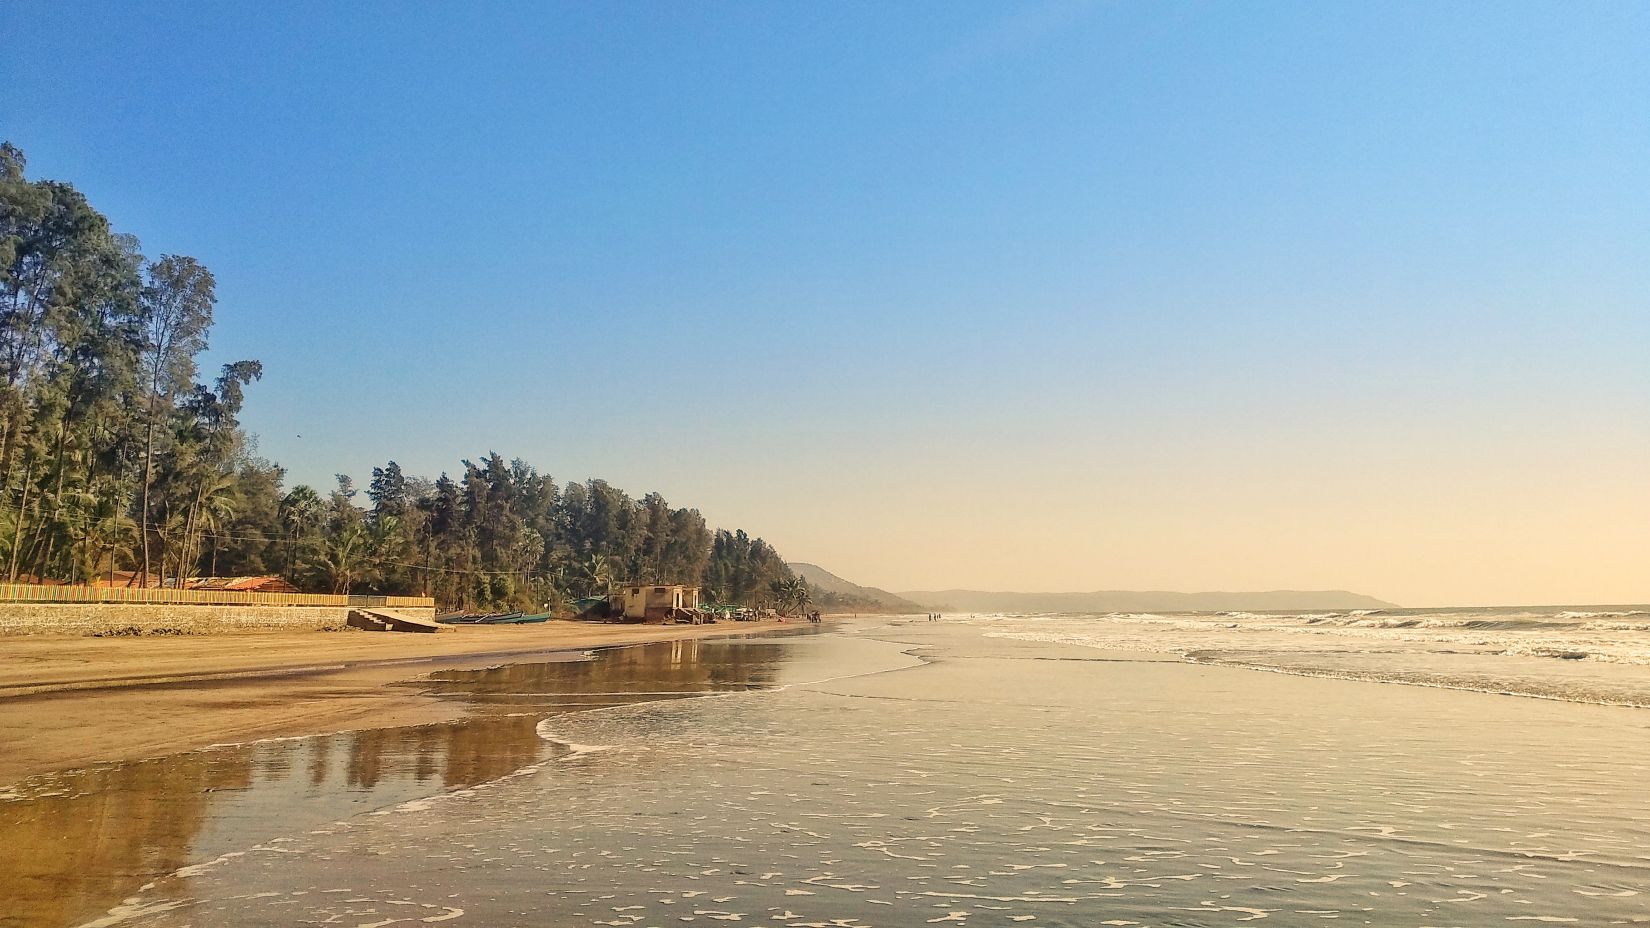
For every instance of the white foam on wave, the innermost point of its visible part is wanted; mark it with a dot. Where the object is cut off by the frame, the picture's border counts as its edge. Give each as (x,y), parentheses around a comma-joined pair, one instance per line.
(204,866)
(127,911)
(1616,626)
(1365,676)
(1568,654)
(572,751)
(1113,644)
(573,748)
(1522,635)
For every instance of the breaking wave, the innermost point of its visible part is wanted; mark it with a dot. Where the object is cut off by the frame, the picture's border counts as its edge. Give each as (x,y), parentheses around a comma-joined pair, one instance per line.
(1599,655)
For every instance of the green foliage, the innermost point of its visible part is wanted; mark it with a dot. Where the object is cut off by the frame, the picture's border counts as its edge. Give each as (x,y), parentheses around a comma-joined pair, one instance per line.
(504,536)
(114,458)
(742,569)
(789,596)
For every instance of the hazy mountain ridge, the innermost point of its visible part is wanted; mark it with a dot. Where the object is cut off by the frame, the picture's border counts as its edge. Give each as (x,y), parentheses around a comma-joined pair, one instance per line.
(1143,601)
(832,591)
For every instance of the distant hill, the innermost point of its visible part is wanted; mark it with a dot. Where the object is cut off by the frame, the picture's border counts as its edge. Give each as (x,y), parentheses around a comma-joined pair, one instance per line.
(834,593)
(1153,601)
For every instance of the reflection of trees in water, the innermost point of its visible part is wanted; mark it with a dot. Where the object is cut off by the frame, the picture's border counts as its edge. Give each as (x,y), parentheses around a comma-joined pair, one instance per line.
(486,747)
(67,857)
(684,666)
(320,753)
(463,753)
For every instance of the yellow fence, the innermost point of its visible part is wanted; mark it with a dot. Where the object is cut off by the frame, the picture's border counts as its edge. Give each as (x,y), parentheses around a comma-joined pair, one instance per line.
(31,593)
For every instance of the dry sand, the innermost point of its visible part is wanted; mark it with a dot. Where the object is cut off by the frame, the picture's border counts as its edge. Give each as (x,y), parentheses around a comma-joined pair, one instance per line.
(68,702)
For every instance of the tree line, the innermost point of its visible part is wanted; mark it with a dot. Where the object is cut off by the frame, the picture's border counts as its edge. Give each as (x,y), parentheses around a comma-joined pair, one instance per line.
(118,460)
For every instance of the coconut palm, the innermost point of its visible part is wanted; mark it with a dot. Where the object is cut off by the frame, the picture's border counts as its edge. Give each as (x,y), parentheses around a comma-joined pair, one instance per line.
(300,514)
(213,508)
(341,557)
(104,526)
(595,575)
(789,595)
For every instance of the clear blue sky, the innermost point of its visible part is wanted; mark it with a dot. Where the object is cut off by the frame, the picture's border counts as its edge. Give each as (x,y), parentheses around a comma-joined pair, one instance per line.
(1049,295)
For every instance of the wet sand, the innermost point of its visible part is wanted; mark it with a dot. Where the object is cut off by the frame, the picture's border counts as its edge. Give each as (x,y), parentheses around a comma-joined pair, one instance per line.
(68,702)
(75,844)
(870,774)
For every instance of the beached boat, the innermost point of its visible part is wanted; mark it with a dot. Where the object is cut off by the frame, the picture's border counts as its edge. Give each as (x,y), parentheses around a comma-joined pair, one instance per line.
(519,619)
(492,618)
(466,618)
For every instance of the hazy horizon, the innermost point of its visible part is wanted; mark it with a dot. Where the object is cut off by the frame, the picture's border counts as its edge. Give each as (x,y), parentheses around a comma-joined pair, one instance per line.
(1400,606)
(1059,296)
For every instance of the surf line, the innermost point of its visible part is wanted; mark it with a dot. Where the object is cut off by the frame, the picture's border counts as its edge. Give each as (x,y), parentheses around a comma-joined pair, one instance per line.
(548,734)
(1356,677)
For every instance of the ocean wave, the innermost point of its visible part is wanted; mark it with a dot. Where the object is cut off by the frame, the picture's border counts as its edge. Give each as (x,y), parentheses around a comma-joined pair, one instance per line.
(1616,626)
(1521,688)
(573,748)
(1563,654)
(1467,622)
(1597,651)
(1512,625)
(1512,641)
(1116,644)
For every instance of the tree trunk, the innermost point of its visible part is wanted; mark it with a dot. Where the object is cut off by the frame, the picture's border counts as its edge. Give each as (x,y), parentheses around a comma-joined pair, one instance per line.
(6,451)
(186,560)
(148,478)
(37,561)
(22,512)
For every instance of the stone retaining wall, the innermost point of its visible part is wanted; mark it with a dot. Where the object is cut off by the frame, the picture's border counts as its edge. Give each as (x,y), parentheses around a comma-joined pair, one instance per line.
(89,619)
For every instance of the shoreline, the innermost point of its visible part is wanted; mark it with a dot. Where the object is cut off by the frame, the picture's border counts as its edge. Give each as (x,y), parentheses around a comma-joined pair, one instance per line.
(766,803)
(71,702)
(493,817)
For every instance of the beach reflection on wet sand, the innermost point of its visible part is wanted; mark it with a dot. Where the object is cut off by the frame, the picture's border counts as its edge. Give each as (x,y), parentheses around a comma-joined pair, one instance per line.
(999,782)
(74,845)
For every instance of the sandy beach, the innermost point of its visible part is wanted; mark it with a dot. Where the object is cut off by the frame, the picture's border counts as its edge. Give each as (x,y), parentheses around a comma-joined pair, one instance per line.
(872,773)
(1203,447)
(68,702)
(882,771)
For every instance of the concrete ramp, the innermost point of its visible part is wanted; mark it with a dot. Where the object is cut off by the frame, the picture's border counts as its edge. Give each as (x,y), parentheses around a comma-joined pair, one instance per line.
(389,620)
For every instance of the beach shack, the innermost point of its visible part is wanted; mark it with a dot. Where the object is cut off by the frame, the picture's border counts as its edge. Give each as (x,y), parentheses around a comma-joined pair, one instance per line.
(656,602)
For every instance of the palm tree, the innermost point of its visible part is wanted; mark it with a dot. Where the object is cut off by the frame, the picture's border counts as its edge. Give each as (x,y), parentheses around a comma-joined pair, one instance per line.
(595,575)
(339,559)
(300,513)
(106,523)
(789,595)
(800,594)
(214,506)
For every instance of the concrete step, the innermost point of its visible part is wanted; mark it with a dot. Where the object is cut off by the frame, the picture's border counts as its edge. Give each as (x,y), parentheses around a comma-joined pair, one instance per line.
(388,620)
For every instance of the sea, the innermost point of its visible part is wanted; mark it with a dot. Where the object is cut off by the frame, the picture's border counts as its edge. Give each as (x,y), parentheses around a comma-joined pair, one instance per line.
(1424,768)
(1578,653)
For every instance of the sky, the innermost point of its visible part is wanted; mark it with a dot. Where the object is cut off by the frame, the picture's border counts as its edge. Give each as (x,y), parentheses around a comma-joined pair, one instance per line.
(1041,296)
